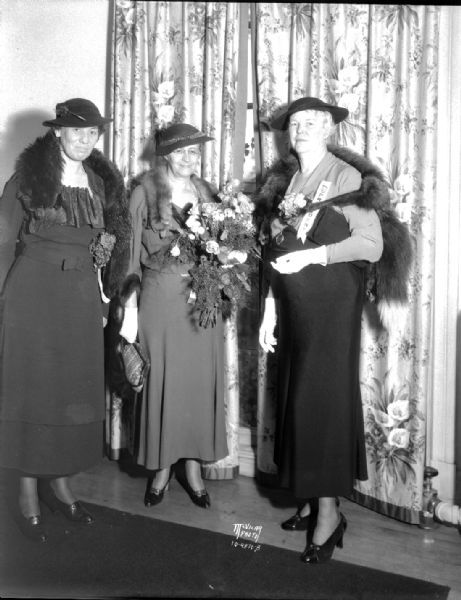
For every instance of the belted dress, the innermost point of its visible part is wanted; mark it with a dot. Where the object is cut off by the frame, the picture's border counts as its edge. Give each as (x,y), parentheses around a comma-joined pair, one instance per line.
(51,344)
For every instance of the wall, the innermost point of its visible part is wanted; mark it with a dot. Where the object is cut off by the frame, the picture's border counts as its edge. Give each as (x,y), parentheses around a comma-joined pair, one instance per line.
(51,50)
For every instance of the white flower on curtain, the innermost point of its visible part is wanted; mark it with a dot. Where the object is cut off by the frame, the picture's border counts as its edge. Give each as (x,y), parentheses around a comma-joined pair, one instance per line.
(403,196)
(163,109)
(399,410)
(394,430)
(399,438)
(165,115)
(348,89)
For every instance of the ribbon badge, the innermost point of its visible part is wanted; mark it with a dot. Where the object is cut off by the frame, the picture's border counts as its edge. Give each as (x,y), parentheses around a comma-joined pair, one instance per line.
(309,218)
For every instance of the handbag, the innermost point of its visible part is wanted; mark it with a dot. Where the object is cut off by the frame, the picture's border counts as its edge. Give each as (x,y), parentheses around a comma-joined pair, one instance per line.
(136,365)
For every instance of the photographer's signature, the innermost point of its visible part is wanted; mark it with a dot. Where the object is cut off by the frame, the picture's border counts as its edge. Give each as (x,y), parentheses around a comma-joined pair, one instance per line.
(247,536)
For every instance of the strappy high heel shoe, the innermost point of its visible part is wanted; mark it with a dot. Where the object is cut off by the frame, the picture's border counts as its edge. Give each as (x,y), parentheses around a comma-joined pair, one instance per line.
(314,554)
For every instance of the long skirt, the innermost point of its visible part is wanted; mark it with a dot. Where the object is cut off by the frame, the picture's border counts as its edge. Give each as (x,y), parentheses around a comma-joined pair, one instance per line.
(52,360)
(182,413)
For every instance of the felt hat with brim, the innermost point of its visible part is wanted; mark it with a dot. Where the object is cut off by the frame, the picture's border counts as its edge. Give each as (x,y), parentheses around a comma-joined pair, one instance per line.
(337,112)
(177,136)
(77,112)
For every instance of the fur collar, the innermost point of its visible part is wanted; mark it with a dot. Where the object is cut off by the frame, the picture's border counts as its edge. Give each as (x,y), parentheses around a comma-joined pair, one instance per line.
(158,192)
(373,192)
(39,170)
(387,280)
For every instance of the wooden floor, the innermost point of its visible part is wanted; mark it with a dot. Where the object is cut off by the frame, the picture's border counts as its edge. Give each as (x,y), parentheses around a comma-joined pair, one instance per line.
(371,540)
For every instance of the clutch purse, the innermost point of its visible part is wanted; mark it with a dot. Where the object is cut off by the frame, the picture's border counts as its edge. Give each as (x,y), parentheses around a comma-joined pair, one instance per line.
(135,364)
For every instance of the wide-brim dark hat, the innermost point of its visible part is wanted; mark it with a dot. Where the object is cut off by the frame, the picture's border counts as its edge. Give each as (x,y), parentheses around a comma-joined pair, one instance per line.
(77,112)
(337,112)
(177,136)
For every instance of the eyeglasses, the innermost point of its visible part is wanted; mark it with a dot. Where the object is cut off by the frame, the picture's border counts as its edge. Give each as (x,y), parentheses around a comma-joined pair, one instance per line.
(190,152)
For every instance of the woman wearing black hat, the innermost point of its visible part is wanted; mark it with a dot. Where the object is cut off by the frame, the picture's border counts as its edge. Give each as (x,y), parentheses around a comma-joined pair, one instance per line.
(182,411)
(64,193)
(315,298)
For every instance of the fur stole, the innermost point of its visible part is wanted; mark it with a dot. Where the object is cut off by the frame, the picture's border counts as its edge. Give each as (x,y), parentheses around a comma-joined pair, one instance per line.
(158,193)
(387,280)
(39,170)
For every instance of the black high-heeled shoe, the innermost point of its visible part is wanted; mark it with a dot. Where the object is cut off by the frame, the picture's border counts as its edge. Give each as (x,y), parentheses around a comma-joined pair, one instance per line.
(31,528)
(200,498)
(153,496)
(314,554)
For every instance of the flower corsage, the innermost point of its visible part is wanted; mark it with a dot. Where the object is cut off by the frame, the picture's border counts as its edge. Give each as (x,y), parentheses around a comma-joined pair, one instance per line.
(101,248)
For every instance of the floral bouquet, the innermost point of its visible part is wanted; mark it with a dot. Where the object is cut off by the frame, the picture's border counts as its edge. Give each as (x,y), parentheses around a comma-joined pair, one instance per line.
(101,248)
(220,239)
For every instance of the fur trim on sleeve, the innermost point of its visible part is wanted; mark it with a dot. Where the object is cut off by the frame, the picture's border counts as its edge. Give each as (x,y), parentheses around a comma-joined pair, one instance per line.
(117,221)
(131,284)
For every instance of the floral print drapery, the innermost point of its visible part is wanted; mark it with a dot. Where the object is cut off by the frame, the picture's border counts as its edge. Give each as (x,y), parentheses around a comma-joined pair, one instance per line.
(177,62)
(380,62)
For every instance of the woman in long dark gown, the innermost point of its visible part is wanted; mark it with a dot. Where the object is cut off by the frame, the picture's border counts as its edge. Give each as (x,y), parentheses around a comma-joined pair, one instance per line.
(64,193)
(182,408)
(315,298)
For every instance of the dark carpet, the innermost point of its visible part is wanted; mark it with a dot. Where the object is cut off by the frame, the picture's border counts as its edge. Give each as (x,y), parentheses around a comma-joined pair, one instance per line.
(128,556)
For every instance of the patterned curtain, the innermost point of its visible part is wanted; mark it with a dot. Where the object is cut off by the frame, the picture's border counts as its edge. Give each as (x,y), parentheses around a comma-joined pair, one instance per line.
(380,62)
(177,62)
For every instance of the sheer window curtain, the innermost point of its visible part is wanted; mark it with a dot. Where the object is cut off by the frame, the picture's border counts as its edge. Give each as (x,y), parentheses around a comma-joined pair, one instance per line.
(178,62)
(382,63)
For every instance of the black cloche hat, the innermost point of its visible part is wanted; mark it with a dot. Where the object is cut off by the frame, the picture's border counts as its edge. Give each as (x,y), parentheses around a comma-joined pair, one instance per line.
(77,112)
(178,135)
(337,112)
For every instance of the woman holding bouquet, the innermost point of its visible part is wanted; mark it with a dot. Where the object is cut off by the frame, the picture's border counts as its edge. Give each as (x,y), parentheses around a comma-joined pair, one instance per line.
(66,203)
(315,297)
(182,410)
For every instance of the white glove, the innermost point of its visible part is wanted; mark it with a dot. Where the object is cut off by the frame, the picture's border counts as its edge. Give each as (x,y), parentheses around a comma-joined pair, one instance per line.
(267,339)
(129,329)
(295,261)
